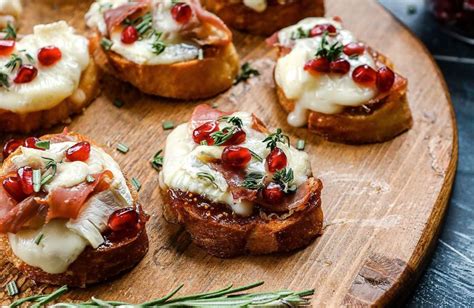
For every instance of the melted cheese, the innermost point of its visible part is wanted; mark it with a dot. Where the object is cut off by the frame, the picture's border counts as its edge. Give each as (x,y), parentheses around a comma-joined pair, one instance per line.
(184,159)
(256,5)
(53,83)
(325,93)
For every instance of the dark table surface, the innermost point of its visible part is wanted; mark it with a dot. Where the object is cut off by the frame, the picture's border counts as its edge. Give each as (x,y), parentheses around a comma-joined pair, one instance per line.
(448,281)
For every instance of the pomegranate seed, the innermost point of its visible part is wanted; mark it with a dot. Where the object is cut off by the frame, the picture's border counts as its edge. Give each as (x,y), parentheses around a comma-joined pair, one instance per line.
(364,74)
(272,193)
(122,219)
(6,47)
(320,65)
(181,12)
(238,137)
(11,146)
(340,66)
(79,152)
(354,49)
(235,156)
(203,132)
(276,160)
(385,79)
(49,55)
(12,185)
(26,73)
(320,29)
(30,142)
(129,35)
(25,174)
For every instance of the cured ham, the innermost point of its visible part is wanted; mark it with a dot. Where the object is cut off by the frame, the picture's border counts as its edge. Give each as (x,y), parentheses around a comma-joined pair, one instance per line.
(116,16)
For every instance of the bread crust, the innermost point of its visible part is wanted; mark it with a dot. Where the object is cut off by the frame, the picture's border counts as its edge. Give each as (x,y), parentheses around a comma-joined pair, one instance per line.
(193,79)
(377,121)
(30,121)
(120,252)
(276,16)
(214,228)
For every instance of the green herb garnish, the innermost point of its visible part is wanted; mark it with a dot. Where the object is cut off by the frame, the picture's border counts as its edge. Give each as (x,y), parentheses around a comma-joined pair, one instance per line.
(43,144)
(256,156)
(299,34)
(136,183)
(236,121)
(144,25)
(300,144)
(222,136)
(39,238)
(285,178)
(253,181)
(330,52)
(14,62)
(51,169)
(246,71)
(157,161)
(12,289)
(10,32)
(158,46)
(122,148)
(106,43)
(4,82)
(273,139)
(207,176)
(167,125)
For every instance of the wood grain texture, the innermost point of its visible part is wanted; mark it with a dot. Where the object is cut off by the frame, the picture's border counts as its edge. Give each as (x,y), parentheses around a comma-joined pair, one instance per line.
(383,203)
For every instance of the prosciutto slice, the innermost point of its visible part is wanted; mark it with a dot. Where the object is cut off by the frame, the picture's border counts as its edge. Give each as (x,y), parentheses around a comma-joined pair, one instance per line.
(116,16)
(21,214)
(235,179)
(204,113)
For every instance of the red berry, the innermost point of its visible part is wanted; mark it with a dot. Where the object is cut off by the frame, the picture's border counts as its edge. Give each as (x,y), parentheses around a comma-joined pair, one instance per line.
(273,193)
(181,12)
(238,137)
(235,156)
(354,49)
(79,152)
(6,47)
(276,160)
(320,65)
(364,74)
(320,29)
(385,79)
(203,132)
(129,35)
(49,55)
(30,142)
(340,66)
(122,219)
(11,146)
(25,174)
(12,185)
(26,73)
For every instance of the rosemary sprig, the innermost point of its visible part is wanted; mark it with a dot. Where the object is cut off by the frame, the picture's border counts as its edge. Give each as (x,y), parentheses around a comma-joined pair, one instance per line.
(253,181)
(50,170)
(273,139)
(256,156)
(157,161)
(330,52)
(14,62)
(158,46)
(246,71)
(12,288)
(10,32)
(207,176)
(4,81)
(220,137)
(285,178)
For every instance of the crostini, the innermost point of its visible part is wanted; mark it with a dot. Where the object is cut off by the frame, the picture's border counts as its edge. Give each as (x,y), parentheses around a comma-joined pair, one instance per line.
(45,77)
(168,48)
(263,17)
(340,88)
(237,187)
(67,213)
(10,11)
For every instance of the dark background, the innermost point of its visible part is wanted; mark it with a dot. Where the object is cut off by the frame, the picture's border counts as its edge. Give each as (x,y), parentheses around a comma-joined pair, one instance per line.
(448,281)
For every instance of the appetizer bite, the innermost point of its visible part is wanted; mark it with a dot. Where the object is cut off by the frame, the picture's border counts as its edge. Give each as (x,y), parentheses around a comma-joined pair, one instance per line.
(44,77)
(263,17)
(67,213)
(163,47)
(10,11)
(237,187)
(340,88)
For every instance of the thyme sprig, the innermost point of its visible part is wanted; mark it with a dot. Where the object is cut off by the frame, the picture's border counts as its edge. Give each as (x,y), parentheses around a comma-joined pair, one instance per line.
(329,51)
(158,46)
(246,71)
(207,176)
(228,297)
(14,62)
(236,121)
(253,181)
(285,178)
(10,32)
(220,137)
(273,139)
(299,34)
(51,168)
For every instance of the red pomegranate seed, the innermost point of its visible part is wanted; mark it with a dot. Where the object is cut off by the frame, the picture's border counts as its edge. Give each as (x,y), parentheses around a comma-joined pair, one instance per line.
(354,49)
(12,185)
(385,79)
(6,47)
(364,74)
(25,174)
(122,219)
(320,65)
(238,137)
(49,55)
(30,142)
(203,132)
(26,73)
(11,146)
(340,66)
(272,193)
(276,160)
(181,12)
(235,156)
(320,29)
(129,35)
(79,152)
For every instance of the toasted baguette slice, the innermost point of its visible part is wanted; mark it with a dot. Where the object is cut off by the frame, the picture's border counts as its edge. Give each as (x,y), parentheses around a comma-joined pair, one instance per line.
(121,251)
(379,120)
(214,228)
(88,89)
(276,16)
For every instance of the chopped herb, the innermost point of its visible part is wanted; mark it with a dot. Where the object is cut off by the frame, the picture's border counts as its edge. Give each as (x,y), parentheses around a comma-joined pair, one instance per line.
(285,178)
(158,45)
(122,148)
(246,71)
(299,34)
(106,43)
(30,58)
(207,176)
(411,9)
(253,180)
(12,289)
(36,180)
(236,121)
(4,82)
(157,161)
(256,156)
(90,179)
(276,137)
(118,103)
(204,142)
(136,183)
(43,144)
(167,125)
(144,25)
(39,238)
(330,52)
(300,144)
(220,137)
(14,62)
(10,32)
(51,168)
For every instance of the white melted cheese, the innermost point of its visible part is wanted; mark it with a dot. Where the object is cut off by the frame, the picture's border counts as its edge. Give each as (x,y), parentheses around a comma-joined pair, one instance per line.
(64,240)
(256,5)
(11,7)
(141,52)
(327,92)
(184,159)
(53,83)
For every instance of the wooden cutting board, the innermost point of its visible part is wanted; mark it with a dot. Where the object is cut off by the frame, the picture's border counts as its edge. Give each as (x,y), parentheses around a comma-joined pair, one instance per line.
(383,203)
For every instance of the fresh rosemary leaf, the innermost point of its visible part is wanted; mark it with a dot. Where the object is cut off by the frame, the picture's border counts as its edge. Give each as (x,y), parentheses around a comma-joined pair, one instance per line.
(106,43)
(36,180)
(300,144)
(246,71)
(285,178)
(236,121)
(158,46)
(220,137)
(136,183)
(30,58)
(10,32)
(118,103)
(253,181)
(43,144)
(50,170)
(330,52)
(273,139)
(157,161)
(51,297)
(122,148)
(256,156)
(39,238)
(167,125)
(144,25)
(207,176)
(12,288)
(14,62)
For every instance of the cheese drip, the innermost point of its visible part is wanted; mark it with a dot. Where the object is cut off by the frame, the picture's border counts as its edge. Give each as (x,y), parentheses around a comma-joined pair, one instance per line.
(256,5)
